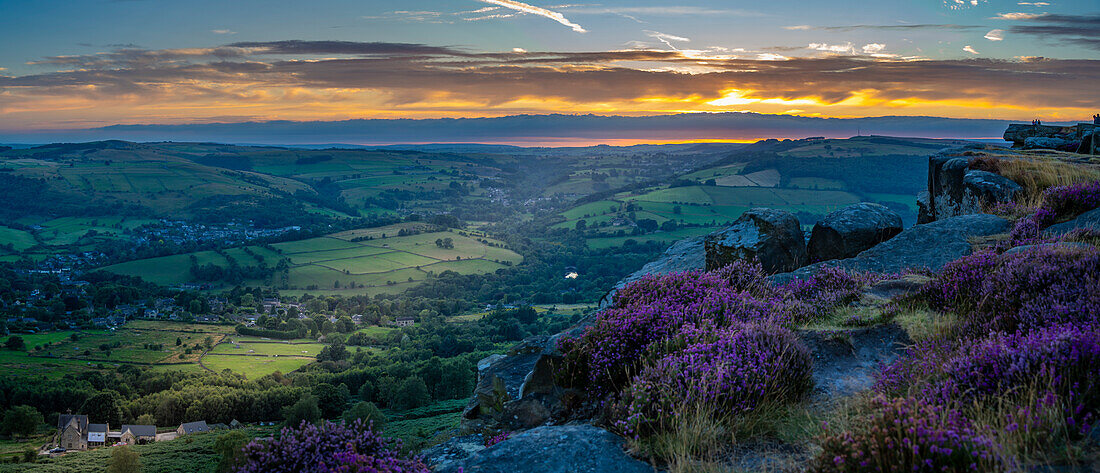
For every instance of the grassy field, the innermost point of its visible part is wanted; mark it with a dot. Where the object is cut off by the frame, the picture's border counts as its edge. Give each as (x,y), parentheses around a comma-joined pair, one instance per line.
(19,240)
(253,367)
(147,343)
(334,263)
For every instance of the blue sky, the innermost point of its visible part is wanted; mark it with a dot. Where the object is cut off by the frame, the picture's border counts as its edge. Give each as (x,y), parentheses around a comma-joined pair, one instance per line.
(72,63)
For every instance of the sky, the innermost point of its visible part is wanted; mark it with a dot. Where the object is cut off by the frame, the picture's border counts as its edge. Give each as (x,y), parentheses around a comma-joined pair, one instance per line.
(78,64)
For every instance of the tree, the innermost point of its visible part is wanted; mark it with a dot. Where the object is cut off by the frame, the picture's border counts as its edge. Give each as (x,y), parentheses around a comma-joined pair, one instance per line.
(305,409)
(248,300)
(179,341)
(103,408)
(123,460)
(15,342)
(367,412)
(21,421)
(333,352)
(228,446)
(331,399)
(145,419)
(581,225)
(410,394)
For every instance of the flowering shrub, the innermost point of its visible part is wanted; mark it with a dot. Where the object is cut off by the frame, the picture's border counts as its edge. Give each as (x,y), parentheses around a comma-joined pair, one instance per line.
(825,290)
(910,435)
(1058,203)
(331,447)
(920,364)
(731,370)
(1021,291)
(1062,359)
(649,316)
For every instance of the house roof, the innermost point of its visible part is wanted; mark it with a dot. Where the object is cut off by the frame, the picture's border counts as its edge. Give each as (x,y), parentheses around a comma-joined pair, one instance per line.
(192,427)
(81,421)
(140,430)
(97,427)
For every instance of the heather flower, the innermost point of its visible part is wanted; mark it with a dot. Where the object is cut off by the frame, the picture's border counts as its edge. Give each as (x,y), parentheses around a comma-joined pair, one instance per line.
(1062,202)
(495,439)
(1020,291)
(910,435)
(331,447)
(732,370)
(1062,360)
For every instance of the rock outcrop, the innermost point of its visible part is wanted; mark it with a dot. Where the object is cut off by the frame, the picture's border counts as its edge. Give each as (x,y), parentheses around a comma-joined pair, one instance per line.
(773,237)
(552,449)
(846,232)
(1044,142)
(954,189)
(928,246)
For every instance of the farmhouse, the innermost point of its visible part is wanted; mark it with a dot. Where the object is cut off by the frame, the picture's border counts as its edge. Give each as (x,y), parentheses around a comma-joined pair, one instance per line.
(137,434)
(404,322)
(72,432)
(192,427)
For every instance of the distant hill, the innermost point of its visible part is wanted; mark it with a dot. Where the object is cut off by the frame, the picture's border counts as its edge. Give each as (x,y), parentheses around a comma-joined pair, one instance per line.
(531,129)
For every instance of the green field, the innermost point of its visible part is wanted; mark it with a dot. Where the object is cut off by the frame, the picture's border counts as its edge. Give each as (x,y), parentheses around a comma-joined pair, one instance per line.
(19,240)
(334,263)
(60,354)
(253,367)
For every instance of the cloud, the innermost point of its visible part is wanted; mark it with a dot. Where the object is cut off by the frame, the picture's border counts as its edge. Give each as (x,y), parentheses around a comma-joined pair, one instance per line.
(961,4)
(1034,4)
(971,50)
(309,80)
(526,8)
(995,35)
(1018,16)
(929,26)
(223,32)
(870,49)
(666,38)
(1083,30)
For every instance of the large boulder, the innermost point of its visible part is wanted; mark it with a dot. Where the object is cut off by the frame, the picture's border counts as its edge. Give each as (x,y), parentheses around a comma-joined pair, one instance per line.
(846,232)
(928,246)
(773,237)
(1044,142)
(954,189)
(1089,220)
(552,449)
(984,187)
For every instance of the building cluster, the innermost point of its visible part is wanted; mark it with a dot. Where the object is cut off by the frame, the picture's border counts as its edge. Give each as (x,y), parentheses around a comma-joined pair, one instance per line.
(182,232)
(76,432)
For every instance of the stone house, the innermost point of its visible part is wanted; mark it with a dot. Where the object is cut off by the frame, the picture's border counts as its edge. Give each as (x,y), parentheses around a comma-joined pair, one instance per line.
(72,432)
(192,427)
(137,434)
(404,321)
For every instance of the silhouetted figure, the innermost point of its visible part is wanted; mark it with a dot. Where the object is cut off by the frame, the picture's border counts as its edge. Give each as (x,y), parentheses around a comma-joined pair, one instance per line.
(1096,119)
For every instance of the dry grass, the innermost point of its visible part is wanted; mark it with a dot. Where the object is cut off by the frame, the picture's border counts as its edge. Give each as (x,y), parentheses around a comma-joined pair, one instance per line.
(1045,440)
(1039,174)
(922,323)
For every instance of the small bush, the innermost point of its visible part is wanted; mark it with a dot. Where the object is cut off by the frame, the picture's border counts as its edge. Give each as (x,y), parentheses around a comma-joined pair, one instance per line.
(732,370)
(328,448)
(910,435)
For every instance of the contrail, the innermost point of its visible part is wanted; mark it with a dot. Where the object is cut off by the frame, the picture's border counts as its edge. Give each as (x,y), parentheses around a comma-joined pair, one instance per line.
(525,8)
